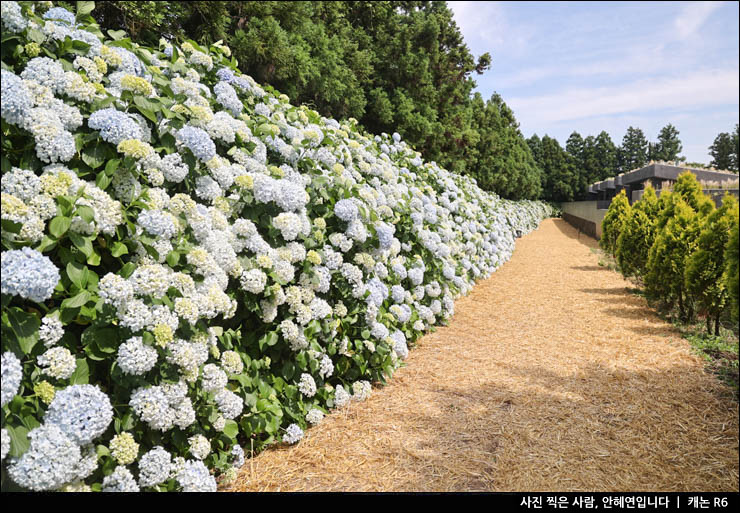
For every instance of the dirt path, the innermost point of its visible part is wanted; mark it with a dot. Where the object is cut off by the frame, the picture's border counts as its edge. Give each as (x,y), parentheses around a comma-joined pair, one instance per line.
(550,376)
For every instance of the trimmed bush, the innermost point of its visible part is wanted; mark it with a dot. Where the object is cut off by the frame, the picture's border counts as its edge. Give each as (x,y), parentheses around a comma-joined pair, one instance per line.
(731,269)
(706,265)
(638,235)
(614,221)
(667,258)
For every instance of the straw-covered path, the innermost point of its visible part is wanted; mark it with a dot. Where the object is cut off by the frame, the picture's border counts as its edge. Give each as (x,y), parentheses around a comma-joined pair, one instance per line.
(550,376)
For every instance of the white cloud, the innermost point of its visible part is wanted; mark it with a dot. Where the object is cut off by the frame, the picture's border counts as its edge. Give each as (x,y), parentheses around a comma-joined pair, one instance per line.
(693,16)
(697,89)
(487,28)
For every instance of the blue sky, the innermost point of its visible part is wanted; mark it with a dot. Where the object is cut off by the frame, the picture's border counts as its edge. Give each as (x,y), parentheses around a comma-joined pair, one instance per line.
(592,66)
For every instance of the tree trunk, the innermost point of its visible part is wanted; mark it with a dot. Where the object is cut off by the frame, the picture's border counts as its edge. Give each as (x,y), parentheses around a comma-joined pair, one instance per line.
(709,324)
(716,325)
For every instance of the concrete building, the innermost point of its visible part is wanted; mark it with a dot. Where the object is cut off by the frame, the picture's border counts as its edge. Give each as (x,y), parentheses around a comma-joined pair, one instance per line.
(587,215)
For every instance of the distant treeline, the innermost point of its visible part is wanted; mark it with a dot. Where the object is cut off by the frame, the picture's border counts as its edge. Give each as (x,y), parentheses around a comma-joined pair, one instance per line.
(568,171)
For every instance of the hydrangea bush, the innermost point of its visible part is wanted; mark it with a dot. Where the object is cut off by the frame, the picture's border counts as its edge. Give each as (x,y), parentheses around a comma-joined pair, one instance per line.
(191,264)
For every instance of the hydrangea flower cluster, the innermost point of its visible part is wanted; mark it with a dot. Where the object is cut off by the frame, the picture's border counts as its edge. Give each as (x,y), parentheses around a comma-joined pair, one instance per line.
(227,261)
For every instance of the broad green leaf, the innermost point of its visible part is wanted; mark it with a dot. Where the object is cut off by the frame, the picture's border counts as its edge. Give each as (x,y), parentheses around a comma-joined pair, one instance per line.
(77,274)
(86,213)
(231,429)
(94,156)
(25,327)
(84,8)
(59,226)
(80,299)
(118,249)
(19,442)
(81,375)
(84,244)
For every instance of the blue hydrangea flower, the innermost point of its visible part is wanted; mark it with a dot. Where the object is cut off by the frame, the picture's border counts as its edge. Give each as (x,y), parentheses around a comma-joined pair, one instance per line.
(120,480)
(12,18)
(385,234)
(15,101)
(154,467)
(195,477)
(225,75)
(157,223)
(60,15)
(114,125)
(46,72)
(12,373)
(83,412)
(226,96)
(50,462)
(27,273)
(346,210)
(197,141)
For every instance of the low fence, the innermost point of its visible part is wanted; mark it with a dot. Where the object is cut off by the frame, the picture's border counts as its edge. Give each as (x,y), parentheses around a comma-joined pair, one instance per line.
(584,215)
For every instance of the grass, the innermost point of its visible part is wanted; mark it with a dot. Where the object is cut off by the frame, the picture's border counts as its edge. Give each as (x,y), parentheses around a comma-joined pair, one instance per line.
(719,352)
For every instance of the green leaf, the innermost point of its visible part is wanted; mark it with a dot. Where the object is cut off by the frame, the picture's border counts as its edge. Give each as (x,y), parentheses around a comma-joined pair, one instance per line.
(19,442)
(86,213)
(94,259)
(77,274)
(59,226)
(25,326)
(102,181)
(46,243)
(151,116)
(117,34)
(288,370)
(231,429)
(111,166)
(127,270)
(106,340)
(118,249)
(84,8)
(94,156)
(80,299)
(172,258)
(84,244)
(81,375)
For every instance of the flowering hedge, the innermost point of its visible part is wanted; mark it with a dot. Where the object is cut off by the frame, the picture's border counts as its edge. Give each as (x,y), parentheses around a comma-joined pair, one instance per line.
(190,262)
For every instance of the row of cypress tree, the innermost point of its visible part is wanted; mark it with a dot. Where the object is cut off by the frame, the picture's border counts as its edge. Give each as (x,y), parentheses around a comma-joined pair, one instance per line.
(682,247)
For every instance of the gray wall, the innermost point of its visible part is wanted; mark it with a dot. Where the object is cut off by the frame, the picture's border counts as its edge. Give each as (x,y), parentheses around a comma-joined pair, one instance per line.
(584,215)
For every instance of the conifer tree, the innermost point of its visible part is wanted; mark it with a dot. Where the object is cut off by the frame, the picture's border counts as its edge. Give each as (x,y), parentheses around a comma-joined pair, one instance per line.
(732,264)
(613,223)
(706,265)
(669,254)
(638,235)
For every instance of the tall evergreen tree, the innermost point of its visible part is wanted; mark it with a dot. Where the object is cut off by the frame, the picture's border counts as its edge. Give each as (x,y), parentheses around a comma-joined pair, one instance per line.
(722,152)
(735,163)
(502,161)
(575,146)
(606,156)
(634,150)
(669,145)
(559,174)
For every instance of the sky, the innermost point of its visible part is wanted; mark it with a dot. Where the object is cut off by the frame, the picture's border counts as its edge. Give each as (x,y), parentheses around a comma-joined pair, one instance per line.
(593,66)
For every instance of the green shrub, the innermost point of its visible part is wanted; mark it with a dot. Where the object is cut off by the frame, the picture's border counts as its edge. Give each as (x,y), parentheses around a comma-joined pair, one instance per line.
(638,235)
(704,269)
(613,223)
(731,268)
(668,256)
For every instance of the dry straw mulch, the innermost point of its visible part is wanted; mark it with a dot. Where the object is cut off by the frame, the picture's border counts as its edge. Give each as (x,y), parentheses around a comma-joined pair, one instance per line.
(550,376)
